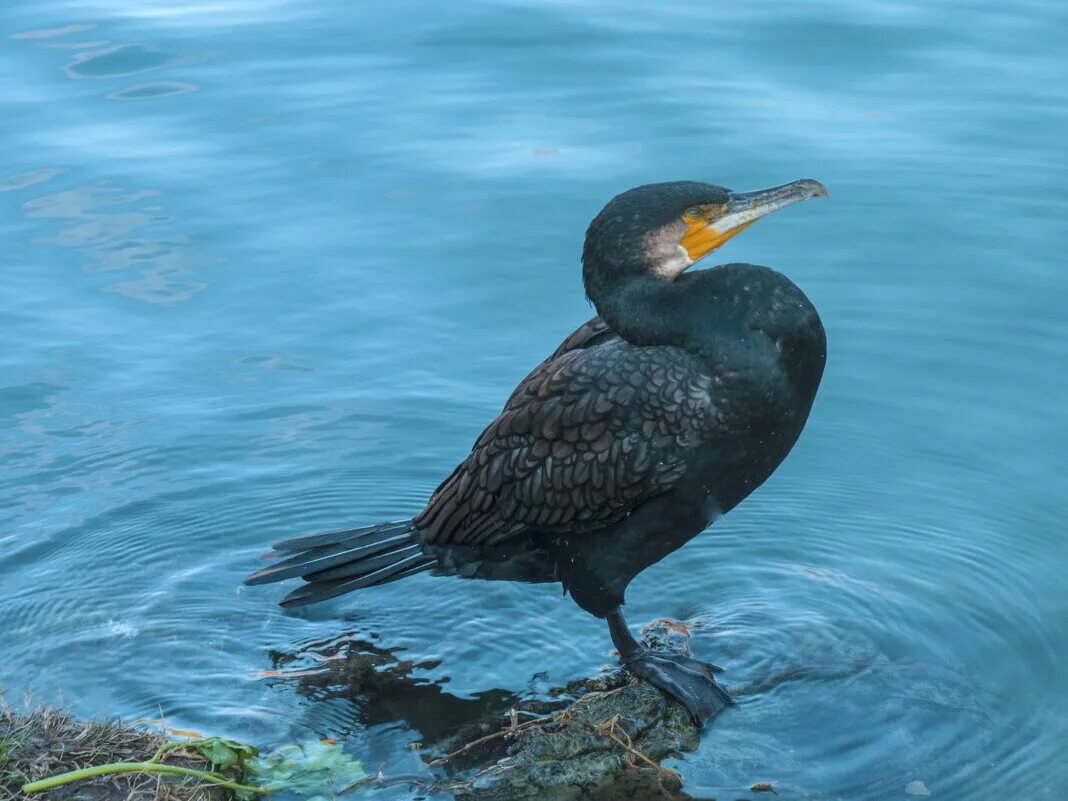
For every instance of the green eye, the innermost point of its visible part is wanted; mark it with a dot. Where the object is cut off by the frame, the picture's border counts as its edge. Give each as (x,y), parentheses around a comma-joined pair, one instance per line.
(693,211)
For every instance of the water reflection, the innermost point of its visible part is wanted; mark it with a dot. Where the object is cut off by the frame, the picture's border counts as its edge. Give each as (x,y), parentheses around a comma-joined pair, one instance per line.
(116,61)
(382,687)
(108,224)
(147,91)
(27,179)
(52,33)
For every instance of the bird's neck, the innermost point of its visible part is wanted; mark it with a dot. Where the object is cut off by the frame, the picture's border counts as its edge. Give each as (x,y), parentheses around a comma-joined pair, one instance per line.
(746,319)
(647,310)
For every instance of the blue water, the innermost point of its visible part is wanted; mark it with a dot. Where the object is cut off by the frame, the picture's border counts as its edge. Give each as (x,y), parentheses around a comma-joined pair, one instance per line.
(268,267)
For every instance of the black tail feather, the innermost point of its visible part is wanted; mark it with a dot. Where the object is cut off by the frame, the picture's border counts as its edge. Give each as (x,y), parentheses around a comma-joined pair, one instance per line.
(343,536)
(319,559)
(366,564)
(336,562)
(322,590)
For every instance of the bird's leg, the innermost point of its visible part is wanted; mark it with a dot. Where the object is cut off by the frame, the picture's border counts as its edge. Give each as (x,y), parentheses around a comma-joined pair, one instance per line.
(685,679)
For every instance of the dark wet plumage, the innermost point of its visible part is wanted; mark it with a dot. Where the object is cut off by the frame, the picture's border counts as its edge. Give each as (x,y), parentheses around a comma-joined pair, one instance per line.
(648,422)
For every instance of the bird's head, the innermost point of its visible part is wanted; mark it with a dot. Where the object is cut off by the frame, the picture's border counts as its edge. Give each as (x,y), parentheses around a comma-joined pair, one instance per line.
(659,230)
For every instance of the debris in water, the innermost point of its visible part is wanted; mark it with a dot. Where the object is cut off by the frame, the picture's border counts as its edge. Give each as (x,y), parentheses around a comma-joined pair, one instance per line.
(311,769)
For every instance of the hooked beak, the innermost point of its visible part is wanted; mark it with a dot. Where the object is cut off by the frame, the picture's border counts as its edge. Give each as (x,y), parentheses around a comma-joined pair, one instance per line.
(745,208)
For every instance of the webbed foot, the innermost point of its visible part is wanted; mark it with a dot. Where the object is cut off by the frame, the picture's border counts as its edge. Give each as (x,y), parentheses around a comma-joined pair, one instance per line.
(687,680)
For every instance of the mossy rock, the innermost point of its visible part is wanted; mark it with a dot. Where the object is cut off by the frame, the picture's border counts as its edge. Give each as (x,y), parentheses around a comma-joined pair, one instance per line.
(603,738)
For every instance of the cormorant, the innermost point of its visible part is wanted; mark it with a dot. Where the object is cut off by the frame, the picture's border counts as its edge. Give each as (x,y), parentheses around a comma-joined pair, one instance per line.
(647,423)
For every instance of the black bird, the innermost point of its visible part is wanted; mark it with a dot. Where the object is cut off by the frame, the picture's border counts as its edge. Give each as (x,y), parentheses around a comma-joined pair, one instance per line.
(647,423)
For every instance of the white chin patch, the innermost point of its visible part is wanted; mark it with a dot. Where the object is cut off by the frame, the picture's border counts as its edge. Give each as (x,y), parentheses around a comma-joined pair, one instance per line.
(664,254)
(673,264)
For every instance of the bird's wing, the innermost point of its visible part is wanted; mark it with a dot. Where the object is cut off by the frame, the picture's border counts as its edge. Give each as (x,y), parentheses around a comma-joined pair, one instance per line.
(585,439)
(592,332)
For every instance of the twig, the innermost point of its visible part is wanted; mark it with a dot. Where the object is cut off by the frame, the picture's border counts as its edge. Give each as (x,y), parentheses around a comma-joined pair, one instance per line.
(558,717)
(758,787)
(608,728)
(377,779)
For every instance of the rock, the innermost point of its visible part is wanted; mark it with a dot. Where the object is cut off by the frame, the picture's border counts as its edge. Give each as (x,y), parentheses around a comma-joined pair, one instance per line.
(607,744)
(603,737)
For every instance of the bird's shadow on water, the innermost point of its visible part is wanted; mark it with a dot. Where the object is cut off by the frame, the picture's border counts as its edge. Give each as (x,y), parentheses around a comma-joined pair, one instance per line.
(383,685)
